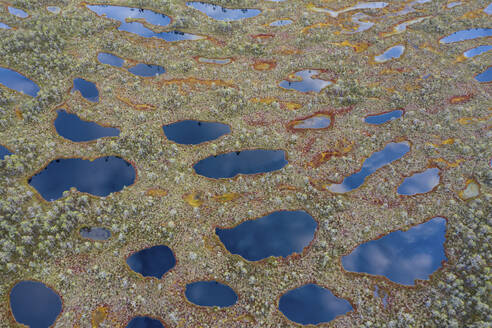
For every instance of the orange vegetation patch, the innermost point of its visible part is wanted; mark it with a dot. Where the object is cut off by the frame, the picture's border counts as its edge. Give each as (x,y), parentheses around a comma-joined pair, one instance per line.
(470,120)
(341,148)
(460,99)
(194,199)
(317,25)
(473,14)
(448,164)
(263,36)
(99,315)
(134,105)
(358,46)
(227,197)
(18,113)
(156,192)
(286,187)
(264,65)
(290,105)
(283,104)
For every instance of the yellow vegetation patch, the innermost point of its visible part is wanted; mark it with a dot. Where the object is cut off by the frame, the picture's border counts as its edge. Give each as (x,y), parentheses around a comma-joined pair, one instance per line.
(99,315)
(227,197)
(194,199)
(472,190)
(156,192)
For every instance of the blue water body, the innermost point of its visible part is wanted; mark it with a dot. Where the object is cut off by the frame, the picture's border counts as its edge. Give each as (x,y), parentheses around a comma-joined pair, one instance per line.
(307,83)
(384,117)
(210,293)
(120,14)
(34,304)
(281,22)
(464,35)
(319,121)
(99,177)
(280,233)
(71,127)
(420,183)
(312,304)
(252,161)
(488,9)
(485,76)
(4,26)
(4,152)
(154,261)
(221,13)
(146,70)
(190,132)
(144,322)
(16,81)
(477,51)
(391,53)
(18,12)
(53,9)
(95,233)
(110,59)
(402,256)
(87,89)
(390,153)
(217,61)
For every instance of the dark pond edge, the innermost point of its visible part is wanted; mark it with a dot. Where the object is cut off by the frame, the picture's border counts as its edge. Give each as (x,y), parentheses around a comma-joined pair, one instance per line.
(486,69)
(141,276)
(208,308)
(382,113)
(73,91)
(198,144)
(139,314)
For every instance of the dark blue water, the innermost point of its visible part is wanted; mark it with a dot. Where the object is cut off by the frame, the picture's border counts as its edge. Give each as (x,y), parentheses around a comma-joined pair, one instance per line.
(384,117)
(210,293)
(477,51)
(154,261)
(144,322)
(190,132)
(71,127)
(420,183)
(122,13)
(220,13)
(281,233)
(110,59)
(464,35)
(4,152)
(229,165)
(95,233)
(34,304)
(402,256)
(146,70)
(307,83)
(485,76)
(18,12)
(87,89)
(312,304)
(99,177)
(13,80)
(4,26)
(390,153)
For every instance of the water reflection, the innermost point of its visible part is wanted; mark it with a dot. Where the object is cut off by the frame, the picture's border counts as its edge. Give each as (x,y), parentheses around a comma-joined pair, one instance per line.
(13,80)
(312,304)
(470,34)
(146,70)
(87,89)
(307,83)
(144,322)
(402,256)
(420,183)
(110,59)
(71,127)
(378,119)
(4,152)
(485,76)
(210,293)
(95,233)
(281,22)
(53,9)
(229,165)
(317,121)
(4,26)
(390,153)
(34,304)
(98,177)
(280,233)
(18,12)
(190,132)
(389,54)
(477,51)
(221,13)
(153,261)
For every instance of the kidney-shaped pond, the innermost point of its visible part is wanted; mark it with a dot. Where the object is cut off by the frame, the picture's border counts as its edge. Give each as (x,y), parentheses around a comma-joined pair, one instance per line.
(190,132)
(144,322)
(312,304)
(34,304)
(402,256)
(18,82)
(420,183)
(221,13)
(154,261)
(251,161)
(87,89)
(280,233)
(210,293)
(98,177)
(71,127)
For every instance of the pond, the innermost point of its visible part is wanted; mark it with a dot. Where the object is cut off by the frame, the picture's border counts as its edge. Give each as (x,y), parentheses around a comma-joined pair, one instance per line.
(218,61)
(420,183)
(154,261)
(382,118)
(221,13)
(4,26)
(146,70)
(71,127)
(16,81)
(281,22)
(110,59)
(229,165)
(144,322)
(210,293)
(18,12)
(391,53)
(99,177)
(4,152)
(470,34)
(280,233)
(313,122)
(307,83)
(53,9)
(477,51)
(95,233)
(191,132)
(485,76)
(402,256)
(87,89)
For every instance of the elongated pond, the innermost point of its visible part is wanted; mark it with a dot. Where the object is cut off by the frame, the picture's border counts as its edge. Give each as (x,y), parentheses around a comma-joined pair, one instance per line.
(402,256)
(18,12)
(71,127)
(87,89)
(146,70)
(221,13)
(420,183)
(470,34)
(154,261)
(477,51)
(316,121)
(312,304)
(191,132)
(110,59)
(391,53)
(34,304)
(280,233)
(210,293)
(95,233)
(144,322)
(100,177)
(308,82)
(382,118)
(252,161)
(16,81)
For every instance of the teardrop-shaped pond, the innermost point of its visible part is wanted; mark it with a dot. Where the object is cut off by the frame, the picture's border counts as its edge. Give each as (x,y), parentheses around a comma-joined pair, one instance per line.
(250,161)
(308,82)
(210,293)
(190,132)
(16,81)
(280,233)
(420,183)
(391,53)
(100,177)
(470,34)
(87,89)
(221,13)
(312,304)
(390,153)
(402,256)
(382,118)
(4,152)
(146,70)
(71,127)
(95,233)
(485,76)
(110,59)
(144,322)
(34,304)
(154,261)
